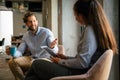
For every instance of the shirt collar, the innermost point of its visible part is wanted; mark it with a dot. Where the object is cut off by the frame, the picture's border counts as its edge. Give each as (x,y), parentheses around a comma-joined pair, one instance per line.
(38,30)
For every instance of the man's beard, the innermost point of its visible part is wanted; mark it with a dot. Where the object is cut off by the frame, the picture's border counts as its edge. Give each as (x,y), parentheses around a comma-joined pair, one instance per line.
(31,29)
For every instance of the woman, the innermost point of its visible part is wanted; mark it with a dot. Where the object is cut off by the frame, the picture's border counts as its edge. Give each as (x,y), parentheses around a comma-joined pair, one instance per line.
(96,38)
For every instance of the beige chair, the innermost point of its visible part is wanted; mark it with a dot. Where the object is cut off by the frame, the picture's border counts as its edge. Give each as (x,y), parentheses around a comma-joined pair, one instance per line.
(99,71)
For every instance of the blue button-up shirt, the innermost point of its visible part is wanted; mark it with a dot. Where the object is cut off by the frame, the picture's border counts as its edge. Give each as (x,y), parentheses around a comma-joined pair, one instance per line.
(34,42)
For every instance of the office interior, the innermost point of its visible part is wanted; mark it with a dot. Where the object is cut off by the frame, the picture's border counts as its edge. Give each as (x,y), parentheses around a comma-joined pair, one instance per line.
(57,15)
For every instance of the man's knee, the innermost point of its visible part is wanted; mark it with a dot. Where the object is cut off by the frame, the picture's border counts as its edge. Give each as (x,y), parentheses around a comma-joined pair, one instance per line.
(15,68)
(11,62)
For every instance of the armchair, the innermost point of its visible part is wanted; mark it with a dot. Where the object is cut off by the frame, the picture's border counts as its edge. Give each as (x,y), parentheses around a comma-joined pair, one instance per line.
(99,71)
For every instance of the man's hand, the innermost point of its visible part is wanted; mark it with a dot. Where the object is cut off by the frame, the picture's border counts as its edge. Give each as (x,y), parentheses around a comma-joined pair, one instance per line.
(52,45)
(7,50)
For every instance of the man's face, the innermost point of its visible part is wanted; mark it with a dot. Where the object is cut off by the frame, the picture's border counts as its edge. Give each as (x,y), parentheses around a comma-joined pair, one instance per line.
(32,23)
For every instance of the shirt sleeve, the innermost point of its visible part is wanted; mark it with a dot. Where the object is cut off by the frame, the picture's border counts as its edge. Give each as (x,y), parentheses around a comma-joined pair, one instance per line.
(50,39)
(88,46)
(20,49)
(17,54)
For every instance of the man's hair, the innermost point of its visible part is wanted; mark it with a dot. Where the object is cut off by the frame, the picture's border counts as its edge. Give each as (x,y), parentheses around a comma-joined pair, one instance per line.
(28,14)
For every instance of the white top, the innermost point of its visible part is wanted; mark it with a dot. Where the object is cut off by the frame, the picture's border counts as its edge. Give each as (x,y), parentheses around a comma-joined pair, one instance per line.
(86,48)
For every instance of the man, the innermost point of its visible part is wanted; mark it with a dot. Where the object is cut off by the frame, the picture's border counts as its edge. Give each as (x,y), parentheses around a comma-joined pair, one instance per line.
(34,39)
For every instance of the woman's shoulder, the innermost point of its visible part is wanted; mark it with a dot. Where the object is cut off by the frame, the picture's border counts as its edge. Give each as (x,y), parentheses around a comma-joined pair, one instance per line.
(90,29)
(89,32)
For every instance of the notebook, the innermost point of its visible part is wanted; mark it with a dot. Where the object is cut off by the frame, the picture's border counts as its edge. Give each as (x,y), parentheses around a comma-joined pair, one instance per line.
(46,48)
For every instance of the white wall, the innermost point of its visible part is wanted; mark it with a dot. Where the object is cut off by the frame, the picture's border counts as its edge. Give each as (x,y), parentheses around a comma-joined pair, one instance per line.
(54,13)
(70,30)
(50,15)
(6,26)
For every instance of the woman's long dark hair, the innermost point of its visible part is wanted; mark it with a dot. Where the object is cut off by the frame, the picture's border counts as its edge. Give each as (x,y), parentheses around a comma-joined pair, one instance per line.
(96,17)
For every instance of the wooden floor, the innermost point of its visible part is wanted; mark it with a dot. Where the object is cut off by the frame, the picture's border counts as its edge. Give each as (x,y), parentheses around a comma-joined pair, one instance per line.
(5,73)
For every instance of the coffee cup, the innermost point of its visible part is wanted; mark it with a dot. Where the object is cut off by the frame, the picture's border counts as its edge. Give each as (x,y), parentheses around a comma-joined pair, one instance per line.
(13,50)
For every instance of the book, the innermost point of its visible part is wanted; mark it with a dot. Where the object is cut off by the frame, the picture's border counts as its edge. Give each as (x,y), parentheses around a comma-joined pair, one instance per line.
(46,48)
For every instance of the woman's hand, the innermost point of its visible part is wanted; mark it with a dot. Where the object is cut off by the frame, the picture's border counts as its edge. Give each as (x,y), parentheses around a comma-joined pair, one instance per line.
(61,56)
(52,45)
(55,59)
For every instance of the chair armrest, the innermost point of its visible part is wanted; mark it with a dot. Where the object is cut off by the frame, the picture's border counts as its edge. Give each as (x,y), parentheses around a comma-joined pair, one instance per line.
(73,77)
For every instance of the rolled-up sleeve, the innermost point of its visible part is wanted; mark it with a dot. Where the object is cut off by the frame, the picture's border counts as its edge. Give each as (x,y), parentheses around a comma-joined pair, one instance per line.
(50,39)
(20,49)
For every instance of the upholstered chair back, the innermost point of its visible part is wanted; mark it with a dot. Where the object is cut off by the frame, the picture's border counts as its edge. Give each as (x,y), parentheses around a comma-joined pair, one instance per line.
(99,71)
